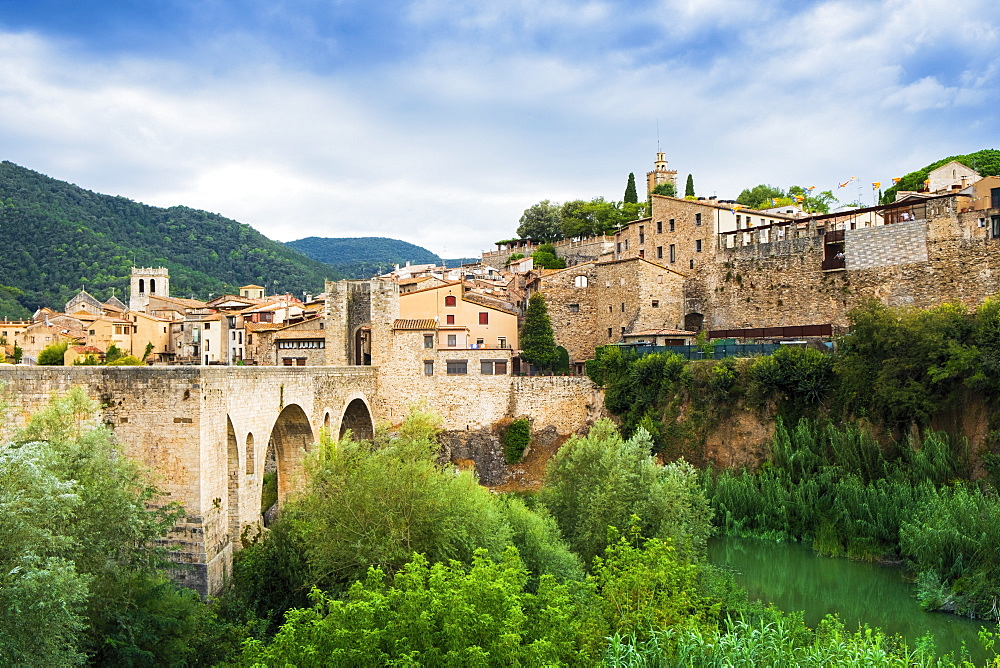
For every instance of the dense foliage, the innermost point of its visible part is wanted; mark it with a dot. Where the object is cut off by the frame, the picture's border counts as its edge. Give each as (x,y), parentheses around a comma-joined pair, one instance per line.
(59,238)
(689,186)
(545,258)
(986,162)
(631,196)
(516,437)
(550,221)
(80,574)
(765,197)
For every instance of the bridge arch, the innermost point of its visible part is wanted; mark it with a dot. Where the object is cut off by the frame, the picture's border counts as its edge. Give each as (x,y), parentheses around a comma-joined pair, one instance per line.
(233,483)
(357,416)
(291,437)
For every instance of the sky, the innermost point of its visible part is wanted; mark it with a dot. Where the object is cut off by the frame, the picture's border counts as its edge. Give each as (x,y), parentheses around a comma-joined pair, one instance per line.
(439,121)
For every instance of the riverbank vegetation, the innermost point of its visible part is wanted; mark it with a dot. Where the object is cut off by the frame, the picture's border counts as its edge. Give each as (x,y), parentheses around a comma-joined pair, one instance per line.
(854,466)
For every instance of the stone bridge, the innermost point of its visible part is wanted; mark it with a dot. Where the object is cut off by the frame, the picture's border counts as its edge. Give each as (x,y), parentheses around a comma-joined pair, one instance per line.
(207,434)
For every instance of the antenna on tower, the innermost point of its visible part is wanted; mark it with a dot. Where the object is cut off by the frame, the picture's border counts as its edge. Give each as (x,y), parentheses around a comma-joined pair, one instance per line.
(657,134)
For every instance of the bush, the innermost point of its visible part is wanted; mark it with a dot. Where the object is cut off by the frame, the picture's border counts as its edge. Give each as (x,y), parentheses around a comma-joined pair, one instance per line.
(127,360)
(516,438)
(53,354)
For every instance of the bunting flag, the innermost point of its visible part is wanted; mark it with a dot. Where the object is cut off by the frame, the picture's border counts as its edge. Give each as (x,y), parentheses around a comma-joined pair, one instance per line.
(896,180)
(876,185)
(844,184)
(798,198)
(774,201)
(811,188)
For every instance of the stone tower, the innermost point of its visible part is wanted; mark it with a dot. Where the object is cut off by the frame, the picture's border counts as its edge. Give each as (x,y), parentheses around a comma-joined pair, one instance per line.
(148,281)
(660,174)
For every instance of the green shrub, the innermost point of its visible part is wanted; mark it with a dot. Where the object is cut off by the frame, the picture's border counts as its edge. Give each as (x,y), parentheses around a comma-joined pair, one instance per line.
(53,354)
(516,438)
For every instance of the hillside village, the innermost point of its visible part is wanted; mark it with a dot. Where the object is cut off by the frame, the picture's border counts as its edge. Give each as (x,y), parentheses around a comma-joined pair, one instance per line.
(693,265)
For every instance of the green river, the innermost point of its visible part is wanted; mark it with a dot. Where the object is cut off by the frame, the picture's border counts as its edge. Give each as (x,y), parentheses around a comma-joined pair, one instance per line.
(794,578)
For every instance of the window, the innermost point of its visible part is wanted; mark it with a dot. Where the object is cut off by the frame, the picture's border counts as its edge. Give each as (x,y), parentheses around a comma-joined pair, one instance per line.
(671,224)
(249,339)
(642,253)
(493,367)
(618,247)
(697,220)
(623,307)
(501,341)
(623,330)
(739,221)
(452,341)
(480,343)
(609,332)
(611,309)
(642,234)
(457,367)
(208,326)
(450,319)
(659,227)
(428,367)
(656,303)
(92,332)
(450,300)
(692,264)
(206,347)
(574,308)
(659,252)
(240,340)
(995,198)
(659,279)
(626,244)
(697,245)
(995,222)
(580,281)
(673,253)
(484,318)
(428,340)
(287,361)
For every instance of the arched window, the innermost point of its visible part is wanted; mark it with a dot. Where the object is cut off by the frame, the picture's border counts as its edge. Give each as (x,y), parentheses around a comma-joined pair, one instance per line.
(152,285)
(450,300)
(580,281)
(142,286)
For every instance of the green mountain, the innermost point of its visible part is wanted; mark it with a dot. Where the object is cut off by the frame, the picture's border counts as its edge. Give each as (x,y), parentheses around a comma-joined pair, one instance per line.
(364,257)
(986,162)
(57,238)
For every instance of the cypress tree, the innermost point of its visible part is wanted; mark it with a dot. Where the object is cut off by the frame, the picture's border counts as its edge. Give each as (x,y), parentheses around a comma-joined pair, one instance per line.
(631,196)
(689,188)
(538,343)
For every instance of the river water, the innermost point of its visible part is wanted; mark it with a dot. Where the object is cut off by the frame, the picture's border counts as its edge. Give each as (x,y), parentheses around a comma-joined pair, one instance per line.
(794,578)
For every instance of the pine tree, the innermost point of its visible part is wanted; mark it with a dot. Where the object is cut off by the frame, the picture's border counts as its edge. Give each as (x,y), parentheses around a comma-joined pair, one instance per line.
(631,196)
(538,343)
(689,188)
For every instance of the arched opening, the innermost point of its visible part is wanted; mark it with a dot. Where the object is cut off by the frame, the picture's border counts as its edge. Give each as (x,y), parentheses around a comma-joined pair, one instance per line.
(290,438)
(250,454)
(358,419)
(152,285)
(326,421)
(233,505)
(142,286)
(693,322)
(363,346)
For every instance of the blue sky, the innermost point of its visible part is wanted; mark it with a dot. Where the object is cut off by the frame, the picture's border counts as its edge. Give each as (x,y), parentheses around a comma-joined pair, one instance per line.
(439,121)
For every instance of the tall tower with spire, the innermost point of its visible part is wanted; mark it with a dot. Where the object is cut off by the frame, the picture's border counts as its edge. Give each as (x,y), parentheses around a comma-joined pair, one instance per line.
(660,174)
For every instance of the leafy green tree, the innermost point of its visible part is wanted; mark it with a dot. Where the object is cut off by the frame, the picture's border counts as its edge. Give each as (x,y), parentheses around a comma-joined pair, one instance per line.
(545,258)
(631,196)
(761,196)
(438,614)
(541,221)
(539,542)
(602,480)
(113,354)
(820,203)
(18,354)
(368,505)
(537,341)
(668,189)
(513,258)
(149,349)
(689,186)
(53,354)
(79,548)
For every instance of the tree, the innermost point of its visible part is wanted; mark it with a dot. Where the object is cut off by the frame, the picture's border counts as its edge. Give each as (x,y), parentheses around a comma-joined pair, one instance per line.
(18,354)
(541,221)
(538,343)
(113,355)
(668,189)
(545,258)
(689,186)
(813,203)
(53,354)
(631,196)
(762,196)
(601,480)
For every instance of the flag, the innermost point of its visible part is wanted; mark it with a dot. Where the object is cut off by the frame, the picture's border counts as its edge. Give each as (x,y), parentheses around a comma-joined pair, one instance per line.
(811,188)
(774,201)
(844,184)
(798,198)
(896,180)
(876,185)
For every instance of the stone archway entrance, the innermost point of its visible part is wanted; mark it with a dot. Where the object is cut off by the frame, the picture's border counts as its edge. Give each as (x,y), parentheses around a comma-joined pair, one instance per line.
(358,419)
(693,322)
(363,346)
(291,437)
(233,483)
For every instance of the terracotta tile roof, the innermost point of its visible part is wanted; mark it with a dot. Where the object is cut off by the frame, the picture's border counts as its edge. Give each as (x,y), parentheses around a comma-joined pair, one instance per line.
(261,326)
(663,332)
(423,323)
(180,301)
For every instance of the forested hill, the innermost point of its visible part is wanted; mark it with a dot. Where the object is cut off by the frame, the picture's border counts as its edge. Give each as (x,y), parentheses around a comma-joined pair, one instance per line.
(986,162)
(57,238)
(363,257)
